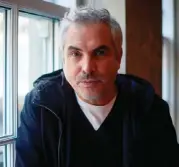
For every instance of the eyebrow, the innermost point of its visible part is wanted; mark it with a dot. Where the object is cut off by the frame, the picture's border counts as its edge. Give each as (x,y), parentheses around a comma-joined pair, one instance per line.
(74,48)
(105,47)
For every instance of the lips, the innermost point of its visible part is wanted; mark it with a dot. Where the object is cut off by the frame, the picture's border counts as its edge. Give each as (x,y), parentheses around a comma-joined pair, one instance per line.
(89,83)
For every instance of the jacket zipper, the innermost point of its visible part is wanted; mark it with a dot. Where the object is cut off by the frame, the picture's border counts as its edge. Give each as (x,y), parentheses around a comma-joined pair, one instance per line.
(60,122)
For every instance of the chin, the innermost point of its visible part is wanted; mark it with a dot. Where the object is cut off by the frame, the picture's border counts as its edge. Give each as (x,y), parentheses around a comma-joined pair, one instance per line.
(90,96)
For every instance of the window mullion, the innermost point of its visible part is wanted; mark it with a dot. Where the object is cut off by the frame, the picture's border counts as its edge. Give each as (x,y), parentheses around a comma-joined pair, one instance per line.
(14,54)
(13,112)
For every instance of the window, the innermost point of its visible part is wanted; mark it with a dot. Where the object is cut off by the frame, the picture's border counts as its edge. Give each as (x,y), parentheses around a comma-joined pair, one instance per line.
(6,154)
(2,157)
(5,73)
(28,49)
(6,112)
(2,71)
(35,51)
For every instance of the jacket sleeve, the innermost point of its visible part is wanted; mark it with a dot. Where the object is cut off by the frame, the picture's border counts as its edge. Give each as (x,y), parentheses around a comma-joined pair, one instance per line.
(164,139)
(28,144)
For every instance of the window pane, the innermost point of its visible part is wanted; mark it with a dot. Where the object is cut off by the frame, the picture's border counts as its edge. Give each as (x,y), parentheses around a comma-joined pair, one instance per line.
(2,156)
(35,51)
(58,58)
(2,71)
(7,155)
(5,73)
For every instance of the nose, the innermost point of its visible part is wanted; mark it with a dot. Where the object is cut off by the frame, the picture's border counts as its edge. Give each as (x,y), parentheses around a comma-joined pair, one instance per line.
(88,64)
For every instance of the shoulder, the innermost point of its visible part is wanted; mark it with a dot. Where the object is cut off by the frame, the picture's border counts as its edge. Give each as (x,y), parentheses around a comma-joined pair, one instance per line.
(51,92)
(159,107)
(159,103)
(48,88)
(160,111)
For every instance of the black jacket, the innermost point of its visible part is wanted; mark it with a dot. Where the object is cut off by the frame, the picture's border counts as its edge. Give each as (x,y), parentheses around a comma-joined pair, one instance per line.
(149,138)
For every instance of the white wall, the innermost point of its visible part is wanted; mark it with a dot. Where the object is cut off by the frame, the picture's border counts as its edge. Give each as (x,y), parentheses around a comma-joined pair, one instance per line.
(117,10)
(170,68)
(177,66)
(65,3)
(168,59)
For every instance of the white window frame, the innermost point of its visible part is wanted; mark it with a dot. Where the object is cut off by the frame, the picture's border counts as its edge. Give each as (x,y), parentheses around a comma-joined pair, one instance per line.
(38,7)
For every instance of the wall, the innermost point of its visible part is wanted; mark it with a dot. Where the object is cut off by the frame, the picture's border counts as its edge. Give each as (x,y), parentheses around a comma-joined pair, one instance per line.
(144,40)
(65,3)
(177,65)
(168,56)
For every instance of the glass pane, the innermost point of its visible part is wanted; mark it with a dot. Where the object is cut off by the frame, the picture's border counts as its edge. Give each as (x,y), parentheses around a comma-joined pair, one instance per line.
(58,59)
(35,52)
(2,72)
(5,73)
(7,155)
(2,156)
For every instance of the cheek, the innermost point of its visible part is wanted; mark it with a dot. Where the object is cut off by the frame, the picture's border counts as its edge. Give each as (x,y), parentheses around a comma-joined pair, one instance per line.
(109,67)
(71,71)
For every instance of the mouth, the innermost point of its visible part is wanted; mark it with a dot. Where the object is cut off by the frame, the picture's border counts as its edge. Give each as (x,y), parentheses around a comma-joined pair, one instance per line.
(90,83)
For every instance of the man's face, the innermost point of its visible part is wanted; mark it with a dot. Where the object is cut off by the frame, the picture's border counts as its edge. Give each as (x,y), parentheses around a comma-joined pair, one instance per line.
(90,60)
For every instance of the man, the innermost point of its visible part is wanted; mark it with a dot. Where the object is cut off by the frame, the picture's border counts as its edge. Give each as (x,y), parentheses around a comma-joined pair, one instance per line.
(87,115)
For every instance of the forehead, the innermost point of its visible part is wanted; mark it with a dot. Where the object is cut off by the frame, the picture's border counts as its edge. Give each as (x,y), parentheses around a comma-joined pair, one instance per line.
(88,36)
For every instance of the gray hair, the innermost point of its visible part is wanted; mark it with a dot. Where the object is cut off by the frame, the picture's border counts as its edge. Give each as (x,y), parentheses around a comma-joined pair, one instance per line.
(91,15)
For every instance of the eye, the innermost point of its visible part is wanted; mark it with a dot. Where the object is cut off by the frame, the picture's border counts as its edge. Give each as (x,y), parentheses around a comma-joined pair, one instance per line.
(75,54)
(100,52)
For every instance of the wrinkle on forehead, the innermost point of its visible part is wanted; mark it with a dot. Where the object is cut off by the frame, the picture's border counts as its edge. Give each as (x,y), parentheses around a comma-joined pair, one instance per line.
(88,36)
